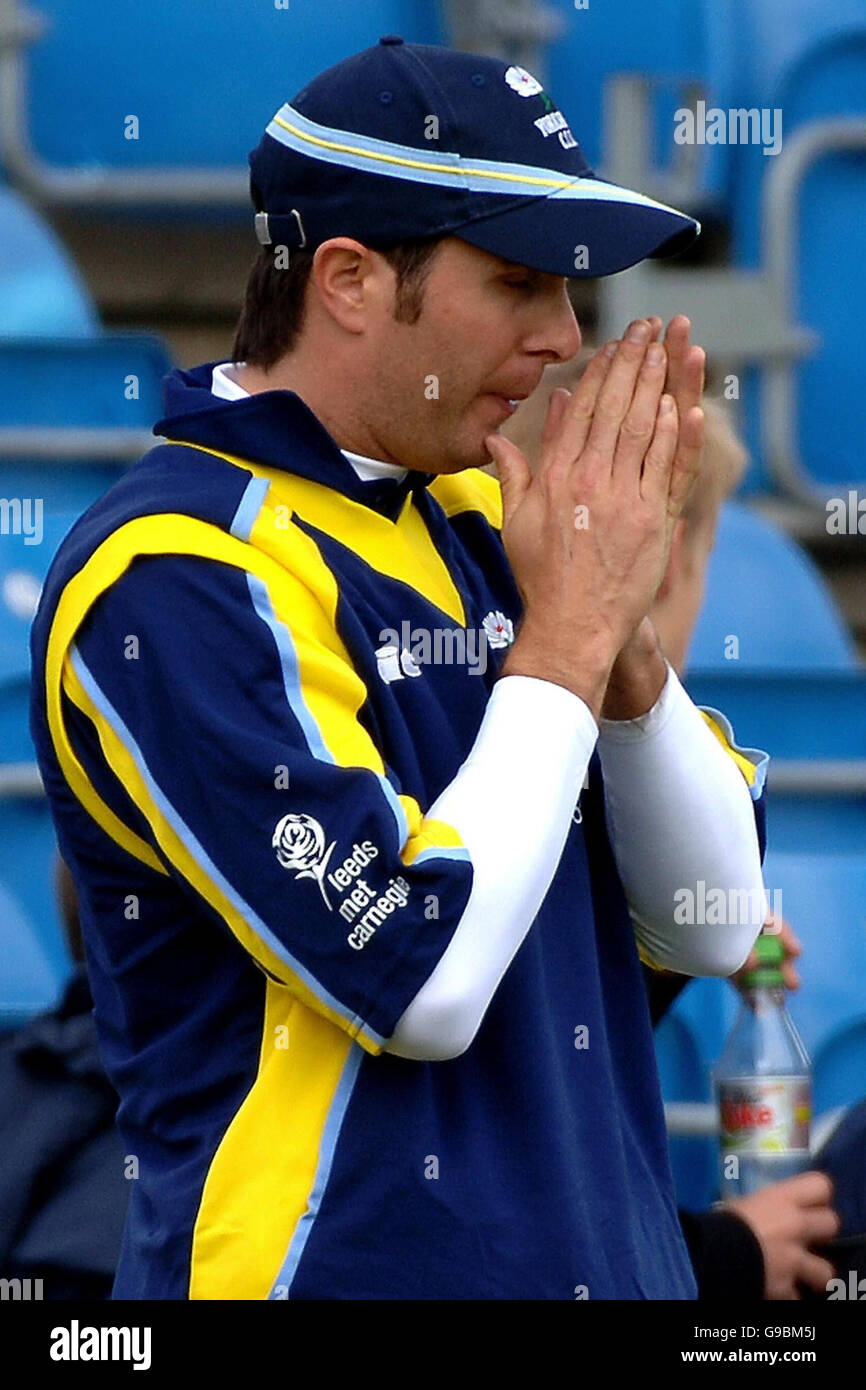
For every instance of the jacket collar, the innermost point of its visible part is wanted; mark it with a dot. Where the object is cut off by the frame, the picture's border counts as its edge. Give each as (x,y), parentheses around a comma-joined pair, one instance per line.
(278,430)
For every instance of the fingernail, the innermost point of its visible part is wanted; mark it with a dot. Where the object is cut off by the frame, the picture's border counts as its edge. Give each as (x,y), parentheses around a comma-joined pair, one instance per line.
(666,404)
(610,349)
(639,332)
(655,354)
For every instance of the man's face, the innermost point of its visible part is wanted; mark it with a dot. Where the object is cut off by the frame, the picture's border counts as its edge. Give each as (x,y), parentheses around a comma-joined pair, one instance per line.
(487,329)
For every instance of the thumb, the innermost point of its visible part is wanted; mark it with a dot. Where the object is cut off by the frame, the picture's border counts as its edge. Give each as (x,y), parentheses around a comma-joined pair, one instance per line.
(513,472)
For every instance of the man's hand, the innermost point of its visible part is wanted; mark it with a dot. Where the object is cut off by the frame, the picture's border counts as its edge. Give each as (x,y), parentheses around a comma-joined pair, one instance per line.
(777,926)
(788,1218)
(639,673)
(588,536)
(685,382)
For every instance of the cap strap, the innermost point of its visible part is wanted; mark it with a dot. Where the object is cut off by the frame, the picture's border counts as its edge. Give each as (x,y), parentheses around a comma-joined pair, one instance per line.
(283,229)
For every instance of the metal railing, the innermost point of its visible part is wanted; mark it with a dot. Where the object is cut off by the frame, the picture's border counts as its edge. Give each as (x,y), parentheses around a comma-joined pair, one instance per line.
(818,777)
(74,444)
(20,781)
(780,206)
(740,316)
(519,30)
(53,185)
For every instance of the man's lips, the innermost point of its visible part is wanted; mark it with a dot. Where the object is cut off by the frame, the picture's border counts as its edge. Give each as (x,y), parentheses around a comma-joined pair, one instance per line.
(513,392)
(508,403)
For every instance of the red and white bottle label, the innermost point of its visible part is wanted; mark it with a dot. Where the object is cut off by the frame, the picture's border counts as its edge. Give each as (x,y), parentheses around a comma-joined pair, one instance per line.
(765,1114)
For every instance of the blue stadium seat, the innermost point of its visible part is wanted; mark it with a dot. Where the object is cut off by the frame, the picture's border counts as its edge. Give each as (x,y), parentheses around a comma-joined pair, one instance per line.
(29,983)
(812,714)
(23,569)
(774,47)
(800,717)
(824,897)
(809,61)
(41,293)
(110,381)
(795,687)
(202,82)
(671,41)
(28,856)
(27,841)
(766,591)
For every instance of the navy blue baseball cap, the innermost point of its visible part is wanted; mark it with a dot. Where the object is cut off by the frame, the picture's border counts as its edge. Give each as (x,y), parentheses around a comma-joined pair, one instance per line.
(408,140)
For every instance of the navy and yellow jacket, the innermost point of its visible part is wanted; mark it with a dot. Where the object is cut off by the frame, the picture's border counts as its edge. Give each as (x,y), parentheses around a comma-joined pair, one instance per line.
(239,784)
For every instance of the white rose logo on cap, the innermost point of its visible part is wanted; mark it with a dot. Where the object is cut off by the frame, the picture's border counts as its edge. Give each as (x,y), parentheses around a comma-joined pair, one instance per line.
(300,844)
(523,82)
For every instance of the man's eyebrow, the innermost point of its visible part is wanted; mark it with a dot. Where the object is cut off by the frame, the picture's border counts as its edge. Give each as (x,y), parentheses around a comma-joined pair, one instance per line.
(515,268)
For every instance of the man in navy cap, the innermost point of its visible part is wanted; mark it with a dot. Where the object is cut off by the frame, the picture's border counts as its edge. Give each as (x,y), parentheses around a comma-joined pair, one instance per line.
(373,779)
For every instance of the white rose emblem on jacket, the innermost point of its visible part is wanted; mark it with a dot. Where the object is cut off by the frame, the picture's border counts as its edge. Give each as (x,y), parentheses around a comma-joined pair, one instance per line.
(498,629)
(300,844)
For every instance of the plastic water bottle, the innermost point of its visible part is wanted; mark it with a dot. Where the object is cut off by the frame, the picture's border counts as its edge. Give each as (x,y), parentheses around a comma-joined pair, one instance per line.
(763,1084)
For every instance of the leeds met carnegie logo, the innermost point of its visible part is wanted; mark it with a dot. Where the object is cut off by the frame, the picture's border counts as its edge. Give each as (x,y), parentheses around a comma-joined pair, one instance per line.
(299,841)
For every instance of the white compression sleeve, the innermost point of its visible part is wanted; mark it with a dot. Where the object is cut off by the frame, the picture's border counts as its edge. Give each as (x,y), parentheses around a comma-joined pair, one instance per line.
(526,769)
(680,814)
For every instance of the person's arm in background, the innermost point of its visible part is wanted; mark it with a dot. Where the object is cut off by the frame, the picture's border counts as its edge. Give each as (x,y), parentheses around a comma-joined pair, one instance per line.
(787,1219)
(726,1256)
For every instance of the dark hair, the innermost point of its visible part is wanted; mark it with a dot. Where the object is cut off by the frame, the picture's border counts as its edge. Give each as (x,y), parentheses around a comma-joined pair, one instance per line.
(275,299)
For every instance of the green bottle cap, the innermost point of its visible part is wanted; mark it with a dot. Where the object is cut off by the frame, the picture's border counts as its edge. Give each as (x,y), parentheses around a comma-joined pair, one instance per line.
(771,955)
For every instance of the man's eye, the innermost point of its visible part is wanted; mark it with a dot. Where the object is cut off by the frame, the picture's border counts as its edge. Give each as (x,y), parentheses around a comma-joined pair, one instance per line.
(524,284)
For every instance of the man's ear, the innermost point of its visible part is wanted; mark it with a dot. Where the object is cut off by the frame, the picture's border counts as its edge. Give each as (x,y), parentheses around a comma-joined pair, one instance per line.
(675,559)
(345,277)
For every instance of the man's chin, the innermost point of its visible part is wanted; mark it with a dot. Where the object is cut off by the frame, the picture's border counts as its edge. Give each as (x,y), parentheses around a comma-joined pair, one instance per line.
(454,462)
(473,453)
(465,449)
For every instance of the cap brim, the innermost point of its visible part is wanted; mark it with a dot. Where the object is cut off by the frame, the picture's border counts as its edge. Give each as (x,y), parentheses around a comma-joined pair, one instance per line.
(590,228)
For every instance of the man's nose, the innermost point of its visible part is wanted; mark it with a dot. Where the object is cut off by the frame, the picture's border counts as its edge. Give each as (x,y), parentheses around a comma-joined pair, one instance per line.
(561,336)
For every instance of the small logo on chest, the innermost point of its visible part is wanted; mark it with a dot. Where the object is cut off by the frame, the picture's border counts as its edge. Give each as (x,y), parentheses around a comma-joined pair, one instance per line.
(407,651)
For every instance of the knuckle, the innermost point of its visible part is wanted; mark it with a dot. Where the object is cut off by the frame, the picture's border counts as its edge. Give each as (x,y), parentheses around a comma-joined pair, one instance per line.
(611,407)
(554,477)
(580,409)
(592,461)
(636,428)
(656,458)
